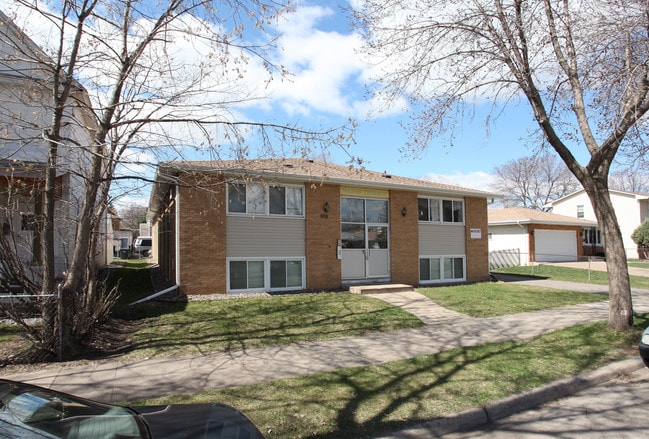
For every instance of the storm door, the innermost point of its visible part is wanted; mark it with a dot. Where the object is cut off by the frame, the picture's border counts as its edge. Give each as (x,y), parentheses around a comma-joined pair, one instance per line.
(364,230)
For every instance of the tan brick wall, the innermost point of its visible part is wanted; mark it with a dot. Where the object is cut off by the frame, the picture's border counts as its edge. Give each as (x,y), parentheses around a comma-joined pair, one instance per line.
(477,250)
(202,237)
(322,235)
(532,242)
(404,240)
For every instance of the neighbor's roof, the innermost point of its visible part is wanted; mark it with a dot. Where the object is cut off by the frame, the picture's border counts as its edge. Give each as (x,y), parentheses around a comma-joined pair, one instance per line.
(636,195)
(521,215)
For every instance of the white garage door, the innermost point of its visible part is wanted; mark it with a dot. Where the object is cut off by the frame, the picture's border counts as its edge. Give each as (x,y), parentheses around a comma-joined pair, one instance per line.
(555,245)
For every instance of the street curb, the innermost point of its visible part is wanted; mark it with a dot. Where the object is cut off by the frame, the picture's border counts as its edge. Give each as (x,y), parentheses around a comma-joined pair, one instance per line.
(481,416)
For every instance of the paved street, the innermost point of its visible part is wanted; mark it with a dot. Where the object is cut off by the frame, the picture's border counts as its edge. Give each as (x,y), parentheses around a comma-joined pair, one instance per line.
(617,409)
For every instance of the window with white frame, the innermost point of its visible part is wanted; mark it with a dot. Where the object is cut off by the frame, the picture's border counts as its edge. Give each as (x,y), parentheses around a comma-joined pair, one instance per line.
(259,199)
(441,269)
(268,274)
(440,210)
(285,274)
(580,211)
(592,236)
(246,275)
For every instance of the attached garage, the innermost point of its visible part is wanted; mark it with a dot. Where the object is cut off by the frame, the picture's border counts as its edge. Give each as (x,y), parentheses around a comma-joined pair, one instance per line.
(555,245)
(533,236)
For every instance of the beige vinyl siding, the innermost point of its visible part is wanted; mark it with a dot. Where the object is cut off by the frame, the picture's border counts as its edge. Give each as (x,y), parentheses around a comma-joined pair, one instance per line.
(249,236)
(441,239)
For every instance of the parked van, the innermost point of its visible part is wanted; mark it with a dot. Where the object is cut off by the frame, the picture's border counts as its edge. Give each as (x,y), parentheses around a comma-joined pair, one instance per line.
(142,245)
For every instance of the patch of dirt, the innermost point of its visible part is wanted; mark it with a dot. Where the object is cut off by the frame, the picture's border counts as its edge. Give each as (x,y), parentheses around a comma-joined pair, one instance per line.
(108,342)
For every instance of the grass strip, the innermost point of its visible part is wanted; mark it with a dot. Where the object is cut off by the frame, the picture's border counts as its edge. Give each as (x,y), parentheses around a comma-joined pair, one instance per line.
(132,281)
(223,325)
(364,401)
(570,274)
(491,299)
(9,332)
(638,263)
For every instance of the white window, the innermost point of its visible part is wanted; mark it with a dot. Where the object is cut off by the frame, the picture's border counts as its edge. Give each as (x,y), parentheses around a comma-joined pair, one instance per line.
(440,210)
(286,274)
(592,236)
(259,199)
(285,200)
(246,275)
(580,211)
(255,199)
(441,269)
(268,274)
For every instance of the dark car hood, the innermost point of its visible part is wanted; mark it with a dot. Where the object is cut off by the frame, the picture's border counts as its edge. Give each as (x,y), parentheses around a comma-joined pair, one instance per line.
(189,421)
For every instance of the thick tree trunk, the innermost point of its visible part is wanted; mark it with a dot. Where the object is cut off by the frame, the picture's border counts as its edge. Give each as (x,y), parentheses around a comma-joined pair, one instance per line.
(80,259)
(619,286)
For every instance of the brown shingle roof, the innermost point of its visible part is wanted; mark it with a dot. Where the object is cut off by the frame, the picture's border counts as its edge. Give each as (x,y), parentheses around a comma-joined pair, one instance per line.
(314,171)
(521,215)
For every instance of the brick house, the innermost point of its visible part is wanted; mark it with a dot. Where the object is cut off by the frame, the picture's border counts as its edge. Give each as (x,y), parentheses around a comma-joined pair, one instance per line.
(535,236)
(295,224)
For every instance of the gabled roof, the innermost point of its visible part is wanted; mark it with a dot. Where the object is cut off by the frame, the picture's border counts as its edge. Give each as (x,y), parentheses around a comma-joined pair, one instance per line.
(636,195)
(20,57)
(302,171)
(521,215)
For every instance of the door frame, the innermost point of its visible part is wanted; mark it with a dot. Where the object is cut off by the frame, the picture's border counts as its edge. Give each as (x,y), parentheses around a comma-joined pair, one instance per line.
(365,262)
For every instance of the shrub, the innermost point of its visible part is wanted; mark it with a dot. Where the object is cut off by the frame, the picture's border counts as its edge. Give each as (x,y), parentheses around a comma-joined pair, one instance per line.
(641,235)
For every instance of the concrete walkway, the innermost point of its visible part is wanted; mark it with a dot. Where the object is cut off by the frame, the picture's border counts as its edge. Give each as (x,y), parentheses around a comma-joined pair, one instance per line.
(118,381)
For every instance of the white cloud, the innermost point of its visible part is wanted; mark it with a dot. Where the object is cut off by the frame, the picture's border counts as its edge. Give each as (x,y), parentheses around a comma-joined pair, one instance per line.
(473,180)
(327,73)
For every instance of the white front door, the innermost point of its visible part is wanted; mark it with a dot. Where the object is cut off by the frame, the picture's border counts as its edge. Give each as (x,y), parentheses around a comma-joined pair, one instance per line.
(364,231)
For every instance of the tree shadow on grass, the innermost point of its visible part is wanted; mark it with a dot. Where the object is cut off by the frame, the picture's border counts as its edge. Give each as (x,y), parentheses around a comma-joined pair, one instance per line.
(238,325)
(373,400)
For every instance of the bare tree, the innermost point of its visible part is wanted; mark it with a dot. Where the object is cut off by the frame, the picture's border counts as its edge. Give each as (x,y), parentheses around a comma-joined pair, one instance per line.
(533,182)
(132,216)
(580,65)
(630,179)
(153,81)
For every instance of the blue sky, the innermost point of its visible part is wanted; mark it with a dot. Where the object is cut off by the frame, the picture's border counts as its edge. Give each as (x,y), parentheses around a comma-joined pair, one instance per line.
(320,48)
(327,87)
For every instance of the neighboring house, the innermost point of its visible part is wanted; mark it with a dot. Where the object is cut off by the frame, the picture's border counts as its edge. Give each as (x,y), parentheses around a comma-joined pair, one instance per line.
(123,245)
(520,236)
(294,224)
(631,210)
(25,91)
(122,238)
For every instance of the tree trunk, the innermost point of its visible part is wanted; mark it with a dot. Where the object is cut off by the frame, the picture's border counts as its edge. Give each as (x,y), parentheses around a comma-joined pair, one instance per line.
(620,301)
(49,308)
(80,258)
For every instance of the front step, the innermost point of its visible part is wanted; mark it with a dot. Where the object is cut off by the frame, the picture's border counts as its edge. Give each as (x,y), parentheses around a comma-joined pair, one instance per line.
(378,289)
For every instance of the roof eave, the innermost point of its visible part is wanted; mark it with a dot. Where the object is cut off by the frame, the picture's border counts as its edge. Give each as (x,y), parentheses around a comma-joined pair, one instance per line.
(302,178)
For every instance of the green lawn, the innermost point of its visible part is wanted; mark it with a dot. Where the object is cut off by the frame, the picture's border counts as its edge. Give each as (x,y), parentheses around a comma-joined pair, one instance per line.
(8,332)
(215,326)
(361,402)
(490,299)
(222,325)
(639,263)
(132,280)
(364,401)
(571,274)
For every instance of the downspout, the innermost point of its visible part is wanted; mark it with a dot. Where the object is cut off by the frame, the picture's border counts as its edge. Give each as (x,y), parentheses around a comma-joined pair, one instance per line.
(154,295)
(177,232)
